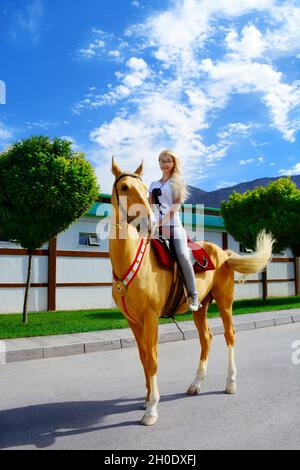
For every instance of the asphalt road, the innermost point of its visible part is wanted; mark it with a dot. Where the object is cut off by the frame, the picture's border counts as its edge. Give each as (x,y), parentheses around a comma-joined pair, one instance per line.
(93,401)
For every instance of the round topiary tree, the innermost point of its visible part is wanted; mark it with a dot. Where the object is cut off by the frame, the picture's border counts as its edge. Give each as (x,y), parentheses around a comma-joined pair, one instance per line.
(275,208)
(44,187)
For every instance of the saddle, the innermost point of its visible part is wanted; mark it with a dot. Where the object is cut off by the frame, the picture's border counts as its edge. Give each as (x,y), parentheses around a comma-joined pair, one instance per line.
(166,256)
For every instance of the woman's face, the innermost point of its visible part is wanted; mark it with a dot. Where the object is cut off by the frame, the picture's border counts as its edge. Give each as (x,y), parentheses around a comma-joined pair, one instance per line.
(166,163)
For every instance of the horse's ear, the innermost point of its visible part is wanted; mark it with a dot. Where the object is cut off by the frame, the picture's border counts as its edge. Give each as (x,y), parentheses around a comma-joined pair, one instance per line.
(115,168)
(140,170)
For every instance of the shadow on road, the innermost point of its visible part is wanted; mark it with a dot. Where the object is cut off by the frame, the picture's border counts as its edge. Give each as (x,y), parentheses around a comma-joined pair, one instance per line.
(40,425)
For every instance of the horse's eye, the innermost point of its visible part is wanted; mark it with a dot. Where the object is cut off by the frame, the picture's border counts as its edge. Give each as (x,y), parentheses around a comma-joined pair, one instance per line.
(124,187)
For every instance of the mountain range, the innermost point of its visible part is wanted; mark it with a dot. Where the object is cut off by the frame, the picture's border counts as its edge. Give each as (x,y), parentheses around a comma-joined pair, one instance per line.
(214,198)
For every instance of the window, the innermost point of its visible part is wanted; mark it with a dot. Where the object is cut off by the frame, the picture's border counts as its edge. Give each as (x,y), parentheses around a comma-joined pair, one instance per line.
(89,239)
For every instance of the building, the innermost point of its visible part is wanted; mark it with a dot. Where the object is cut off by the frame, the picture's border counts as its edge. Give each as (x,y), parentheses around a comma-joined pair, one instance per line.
(73,272)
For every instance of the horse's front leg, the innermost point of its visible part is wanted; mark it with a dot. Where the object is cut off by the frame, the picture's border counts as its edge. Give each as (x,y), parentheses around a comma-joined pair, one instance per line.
(151,414)
(138,332)
(151,338)
(205,337)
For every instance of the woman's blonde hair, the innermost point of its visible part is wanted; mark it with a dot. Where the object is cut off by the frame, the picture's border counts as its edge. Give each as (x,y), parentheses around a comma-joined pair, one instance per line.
(179,187)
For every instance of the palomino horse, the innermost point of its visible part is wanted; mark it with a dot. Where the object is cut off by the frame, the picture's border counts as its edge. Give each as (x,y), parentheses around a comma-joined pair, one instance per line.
(141,287)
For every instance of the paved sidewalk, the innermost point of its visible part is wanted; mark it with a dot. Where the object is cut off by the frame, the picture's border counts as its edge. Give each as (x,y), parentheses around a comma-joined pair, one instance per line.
(42,347)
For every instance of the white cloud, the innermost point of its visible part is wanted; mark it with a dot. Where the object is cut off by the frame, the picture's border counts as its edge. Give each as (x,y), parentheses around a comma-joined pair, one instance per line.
(139,72)
(192,23)
(75,146)
(175,33)
(41,124)
(237,128)
(130,81)
(232,8)
(171,102)
(159,122)
(114,53)
(92,50)
(5,134)
(30,20)
(246,162)
(250,46)
(295,170)
(178,33)
(285,36)
(226,184)
(104,45)
(249,161)
(229,77)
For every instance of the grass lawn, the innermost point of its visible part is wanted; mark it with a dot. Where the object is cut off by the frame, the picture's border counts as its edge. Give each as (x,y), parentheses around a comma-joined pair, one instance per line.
(79,321)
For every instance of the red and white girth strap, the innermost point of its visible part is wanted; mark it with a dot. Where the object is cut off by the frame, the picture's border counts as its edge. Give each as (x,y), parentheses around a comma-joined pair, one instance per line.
(121,285)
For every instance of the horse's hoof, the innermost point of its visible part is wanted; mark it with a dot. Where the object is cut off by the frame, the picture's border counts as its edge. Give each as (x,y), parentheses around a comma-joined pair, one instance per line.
(230,388)
(193,390)
(149,420)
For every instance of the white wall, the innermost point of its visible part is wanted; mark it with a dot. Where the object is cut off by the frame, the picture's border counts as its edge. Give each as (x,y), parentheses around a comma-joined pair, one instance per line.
(278,289)
(13,269)
(213,237)
(71,270)
(78,298)
(248,291)
(12,299)
(233,244)
(281,270)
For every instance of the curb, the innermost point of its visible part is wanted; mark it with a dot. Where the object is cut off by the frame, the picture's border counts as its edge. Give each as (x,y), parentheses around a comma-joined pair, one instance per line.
(27,349)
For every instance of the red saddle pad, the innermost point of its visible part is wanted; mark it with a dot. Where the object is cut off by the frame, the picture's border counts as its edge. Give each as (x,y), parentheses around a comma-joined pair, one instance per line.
(202,259)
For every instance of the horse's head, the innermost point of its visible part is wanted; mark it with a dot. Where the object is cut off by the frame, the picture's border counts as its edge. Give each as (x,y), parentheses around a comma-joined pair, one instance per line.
(129,199)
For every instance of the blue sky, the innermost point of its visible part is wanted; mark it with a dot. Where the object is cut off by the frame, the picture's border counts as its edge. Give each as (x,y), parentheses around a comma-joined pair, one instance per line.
(217,81)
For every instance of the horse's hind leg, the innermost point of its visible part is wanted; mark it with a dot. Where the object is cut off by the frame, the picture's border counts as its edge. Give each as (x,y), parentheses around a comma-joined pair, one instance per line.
(205,337)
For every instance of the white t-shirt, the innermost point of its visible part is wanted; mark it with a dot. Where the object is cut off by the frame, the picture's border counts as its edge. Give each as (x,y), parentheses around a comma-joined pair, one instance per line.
(166,200)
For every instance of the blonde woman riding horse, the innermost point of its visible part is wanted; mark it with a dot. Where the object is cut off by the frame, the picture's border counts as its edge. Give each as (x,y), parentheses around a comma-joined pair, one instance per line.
(168,194)
(141,287)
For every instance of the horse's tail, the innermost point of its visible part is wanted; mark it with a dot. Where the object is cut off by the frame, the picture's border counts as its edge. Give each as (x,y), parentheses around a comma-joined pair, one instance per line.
(254,262)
